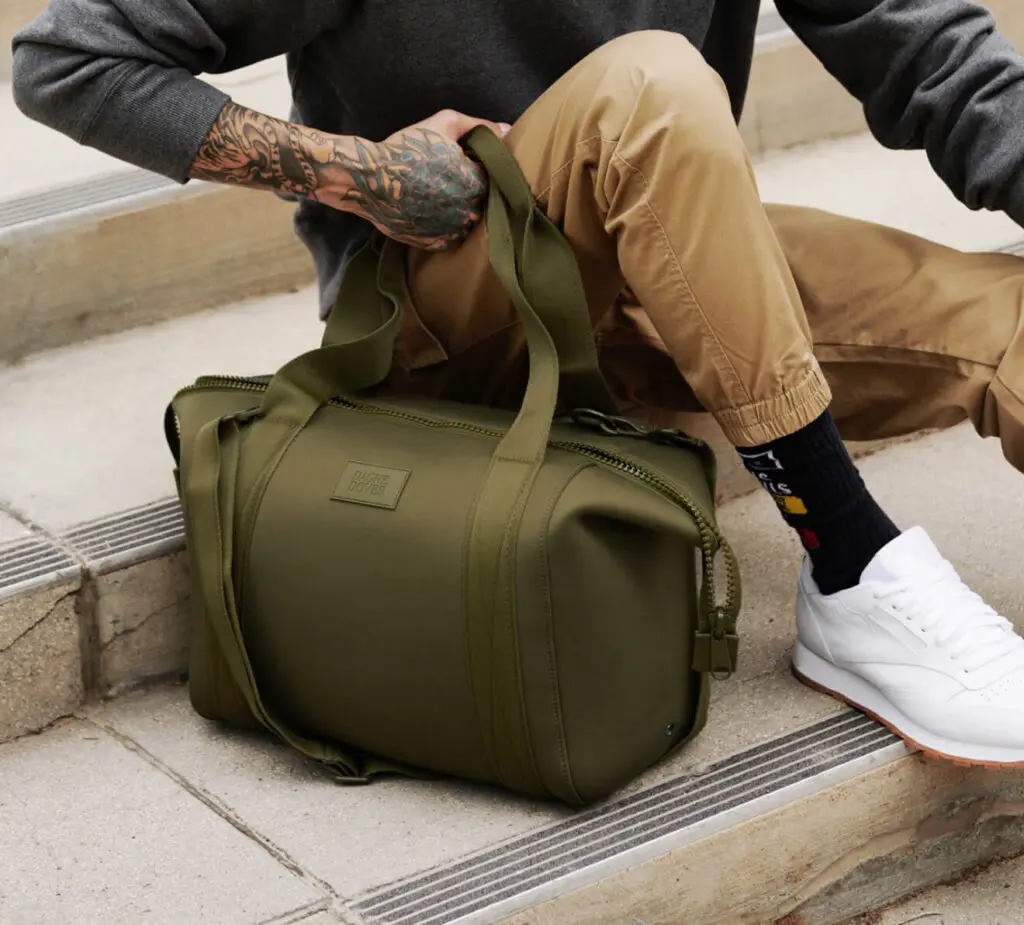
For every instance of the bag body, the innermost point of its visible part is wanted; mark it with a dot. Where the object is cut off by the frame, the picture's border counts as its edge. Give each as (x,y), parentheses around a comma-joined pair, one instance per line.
(393,583)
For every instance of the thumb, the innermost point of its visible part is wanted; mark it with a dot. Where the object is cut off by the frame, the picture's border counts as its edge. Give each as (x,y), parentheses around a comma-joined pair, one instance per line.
(455,125)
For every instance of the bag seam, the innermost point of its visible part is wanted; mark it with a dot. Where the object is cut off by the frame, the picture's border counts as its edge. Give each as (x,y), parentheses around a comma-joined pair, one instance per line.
(553,675)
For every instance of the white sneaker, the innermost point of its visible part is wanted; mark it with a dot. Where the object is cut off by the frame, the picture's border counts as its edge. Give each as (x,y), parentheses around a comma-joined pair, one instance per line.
(914,647)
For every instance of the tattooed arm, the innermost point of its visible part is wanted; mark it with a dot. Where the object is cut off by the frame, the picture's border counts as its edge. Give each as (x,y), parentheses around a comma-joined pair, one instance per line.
(417,186)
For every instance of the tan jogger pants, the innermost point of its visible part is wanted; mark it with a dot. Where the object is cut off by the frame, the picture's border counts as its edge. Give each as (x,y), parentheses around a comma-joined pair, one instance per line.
(757,315)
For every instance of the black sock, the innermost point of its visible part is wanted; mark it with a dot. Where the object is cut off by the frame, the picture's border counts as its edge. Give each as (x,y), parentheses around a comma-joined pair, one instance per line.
(822,497)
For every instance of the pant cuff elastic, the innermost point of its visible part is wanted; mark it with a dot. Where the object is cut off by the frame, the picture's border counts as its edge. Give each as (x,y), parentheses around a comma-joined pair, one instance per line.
(773,418)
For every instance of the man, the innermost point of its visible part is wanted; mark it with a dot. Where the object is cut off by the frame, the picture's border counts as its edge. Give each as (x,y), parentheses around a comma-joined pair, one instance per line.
(625,124)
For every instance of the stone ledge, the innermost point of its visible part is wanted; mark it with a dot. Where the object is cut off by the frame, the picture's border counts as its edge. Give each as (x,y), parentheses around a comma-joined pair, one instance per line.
(40,659)
(161,255)
(817,861)
(142,623)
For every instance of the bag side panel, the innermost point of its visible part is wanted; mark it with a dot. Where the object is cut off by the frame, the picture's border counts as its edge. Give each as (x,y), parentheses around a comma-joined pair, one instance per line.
(624,597)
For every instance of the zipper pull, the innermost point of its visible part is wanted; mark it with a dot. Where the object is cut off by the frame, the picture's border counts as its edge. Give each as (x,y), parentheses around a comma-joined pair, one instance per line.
(716,652)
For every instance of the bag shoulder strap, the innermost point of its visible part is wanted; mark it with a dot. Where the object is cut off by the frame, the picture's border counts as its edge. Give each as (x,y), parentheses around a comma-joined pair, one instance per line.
(365,322)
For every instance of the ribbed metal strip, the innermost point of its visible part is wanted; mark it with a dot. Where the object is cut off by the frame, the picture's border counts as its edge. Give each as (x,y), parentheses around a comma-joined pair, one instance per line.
(137,530)
(97,191)
(448,894)
(31,560)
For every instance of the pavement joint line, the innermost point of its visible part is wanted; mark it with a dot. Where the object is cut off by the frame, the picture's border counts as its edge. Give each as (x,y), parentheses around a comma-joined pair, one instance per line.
(330,895)
(347,916)
(301,914)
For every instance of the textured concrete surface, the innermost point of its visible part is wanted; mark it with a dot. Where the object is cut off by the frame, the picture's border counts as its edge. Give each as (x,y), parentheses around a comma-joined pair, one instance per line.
(990,897)
(142,622)
(109,453)
(40,660)
(347,836)
(11,530)
(138,259)
(13,15)
(92,832)
(858,178)
(158,256)
(811,863)
(851,848)
(793,100)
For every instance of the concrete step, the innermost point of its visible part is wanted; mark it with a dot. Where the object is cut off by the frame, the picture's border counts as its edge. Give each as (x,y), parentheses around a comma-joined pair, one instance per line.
(89,247)
(789,809)
(990,896)
(787,805)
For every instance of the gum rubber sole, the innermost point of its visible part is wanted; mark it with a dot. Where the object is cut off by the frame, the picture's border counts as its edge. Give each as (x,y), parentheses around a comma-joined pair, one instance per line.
(911,743)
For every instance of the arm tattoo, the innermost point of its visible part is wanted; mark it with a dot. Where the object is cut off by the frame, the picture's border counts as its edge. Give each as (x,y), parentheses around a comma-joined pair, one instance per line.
(247,148)
(419,185)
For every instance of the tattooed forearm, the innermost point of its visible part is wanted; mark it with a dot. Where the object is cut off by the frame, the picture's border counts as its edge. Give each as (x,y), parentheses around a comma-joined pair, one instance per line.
(247,148)
(417,184)
(417,187)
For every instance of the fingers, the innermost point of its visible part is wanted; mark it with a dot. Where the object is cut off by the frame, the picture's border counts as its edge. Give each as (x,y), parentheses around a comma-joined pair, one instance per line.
(454,125)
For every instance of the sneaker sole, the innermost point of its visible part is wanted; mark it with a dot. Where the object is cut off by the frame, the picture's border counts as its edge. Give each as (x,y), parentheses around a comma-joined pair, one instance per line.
(847,688)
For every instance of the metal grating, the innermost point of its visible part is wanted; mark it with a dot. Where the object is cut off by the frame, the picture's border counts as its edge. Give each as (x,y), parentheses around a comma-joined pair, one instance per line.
(83,195)
(453,893)
(136,534)
(33,561)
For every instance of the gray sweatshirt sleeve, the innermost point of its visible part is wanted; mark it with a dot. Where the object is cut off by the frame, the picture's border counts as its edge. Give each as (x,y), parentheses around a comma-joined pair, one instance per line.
(120,75)
(932,74)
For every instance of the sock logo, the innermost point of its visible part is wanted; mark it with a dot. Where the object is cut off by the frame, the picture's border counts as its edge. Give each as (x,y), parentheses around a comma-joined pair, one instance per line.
(776,488)
(789,504)
(810,540)
(763,461)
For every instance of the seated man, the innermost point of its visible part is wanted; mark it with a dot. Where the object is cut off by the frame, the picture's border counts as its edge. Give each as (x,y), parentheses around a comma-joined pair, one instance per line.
(700,296)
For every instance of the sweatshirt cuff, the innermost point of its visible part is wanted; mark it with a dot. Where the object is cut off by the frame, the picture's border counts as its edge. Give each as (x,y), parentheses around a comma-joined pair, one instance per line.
(157,119)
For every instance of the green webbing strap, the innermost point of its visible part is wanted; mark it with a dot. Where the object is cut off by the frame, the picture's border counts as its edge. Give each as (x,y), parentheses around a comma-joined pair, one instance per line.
(362,339)
(537,267)
(568,322)
(364,322)
(211,510)
(295,395)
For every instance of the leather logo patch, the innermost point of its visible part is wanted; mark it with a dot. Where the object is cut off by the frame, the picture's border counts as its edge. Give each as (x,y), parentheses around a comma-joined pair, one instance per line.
(375,486)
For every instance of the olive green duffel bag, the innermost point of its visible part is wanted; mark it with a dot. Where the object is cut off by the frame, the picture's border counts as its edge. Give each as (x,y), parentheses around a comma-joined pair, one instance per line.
(391,584)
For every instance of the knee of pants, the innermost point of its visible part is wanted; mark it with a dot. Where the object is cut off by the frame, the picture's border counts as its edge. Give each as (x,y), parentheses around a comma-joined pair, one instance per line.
(664,76)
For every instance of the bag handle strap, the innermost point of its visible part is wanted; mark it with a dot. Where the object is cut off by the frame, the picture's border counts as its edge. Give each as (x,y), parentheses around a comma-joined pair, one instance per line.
(364,322)
(566,314)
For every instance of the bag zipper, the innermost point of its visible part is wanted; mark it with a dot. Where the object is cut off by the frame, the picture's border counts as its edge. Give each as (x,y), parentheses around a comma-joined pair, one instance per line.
(711,539)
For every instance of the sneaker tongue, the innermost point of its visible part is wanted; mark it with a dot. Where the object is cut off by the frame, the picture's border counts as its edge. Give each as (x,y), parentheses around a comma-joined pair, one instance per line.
(909,555)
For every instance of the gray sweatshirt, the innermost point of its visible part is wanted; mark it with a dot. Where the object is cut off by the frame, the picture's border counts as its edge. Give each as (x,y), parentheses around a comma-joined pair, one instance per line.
(120,75)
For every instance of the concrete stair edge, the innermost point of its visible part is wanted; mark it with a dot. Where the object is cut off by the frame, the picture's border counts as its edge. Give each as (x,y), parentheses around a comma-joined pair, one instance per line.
(820,821)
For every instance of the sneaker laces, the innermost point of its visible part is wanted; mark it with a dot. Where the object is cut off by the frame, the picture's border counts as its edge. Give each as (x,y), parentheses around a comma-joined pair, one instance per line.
(959,619)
